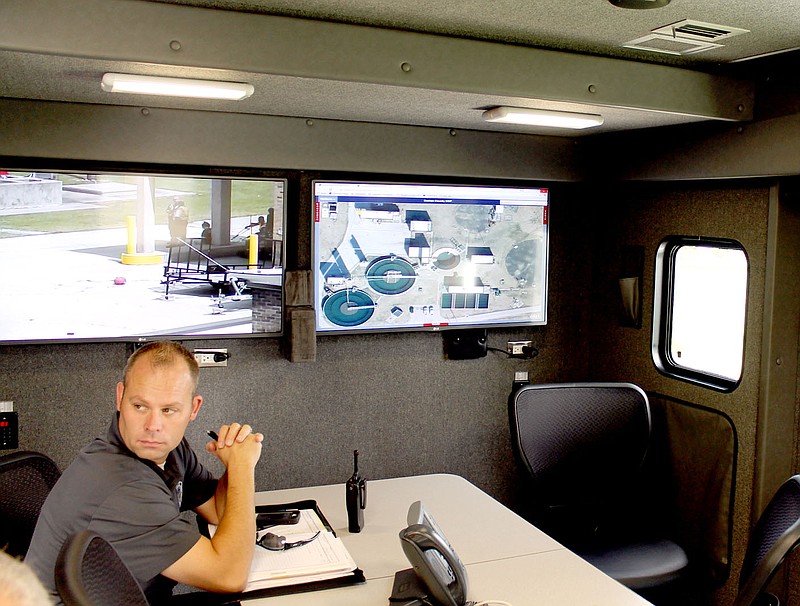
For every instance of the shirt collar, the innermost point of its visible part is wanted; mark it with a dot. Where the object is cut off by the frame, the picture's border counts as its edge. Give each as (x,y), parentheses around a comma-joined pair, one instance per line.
(170,474)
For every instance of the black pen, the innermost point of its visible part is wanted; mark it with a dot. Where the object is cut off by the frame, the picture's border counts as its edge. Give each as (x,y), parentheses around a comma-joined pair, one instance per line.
(213,435)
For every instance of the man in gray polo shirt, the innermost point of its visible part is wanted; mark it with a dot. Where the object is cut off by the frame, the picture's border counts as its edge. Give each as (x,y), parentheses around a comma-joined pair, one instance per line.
(136,485)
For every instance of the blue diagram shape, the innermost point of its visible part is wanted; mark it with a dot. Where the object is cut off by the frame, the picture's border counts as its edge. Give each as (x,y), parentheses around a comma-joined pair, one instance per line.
(390,275)
(350,307)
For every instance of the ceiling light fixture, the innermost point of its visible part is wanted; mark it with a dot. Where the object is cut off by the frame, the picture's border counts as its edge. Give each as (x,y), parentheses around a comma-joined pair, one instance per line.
(639,3)
(541,117)
(175,87)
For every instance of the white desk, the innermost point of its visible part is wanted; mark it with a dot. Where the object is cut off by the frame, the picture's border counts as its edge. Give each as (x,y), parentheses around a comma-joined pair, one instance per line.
(506,557)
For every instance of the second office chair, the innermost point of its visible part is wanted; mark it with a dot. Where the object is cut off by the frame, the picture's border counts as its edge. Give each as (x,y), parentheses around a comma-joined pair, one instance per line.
(583,446)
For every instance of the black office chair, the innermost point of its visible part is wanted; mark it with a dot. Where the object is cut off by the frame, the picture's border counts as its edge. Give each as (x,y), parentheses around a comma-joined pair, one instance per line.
(26,478)
(90,573)
(775,535)
(584,446)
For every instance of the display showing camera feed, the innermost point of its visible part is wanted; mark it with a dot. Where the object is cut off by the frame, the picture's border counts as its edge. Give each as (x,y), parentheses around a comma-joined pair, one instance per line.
(401,256)
(136,257)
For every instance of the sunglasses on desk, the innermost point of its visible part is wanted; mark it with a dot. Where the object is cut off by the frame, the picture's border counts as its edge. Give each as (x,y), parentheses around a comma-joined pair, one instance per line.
(274,542)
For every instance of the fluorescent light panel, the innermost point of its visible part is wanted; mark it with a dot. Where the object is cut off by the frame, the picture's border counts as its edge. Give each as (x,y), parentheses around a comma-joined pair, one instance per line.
(175,87)
(541,117)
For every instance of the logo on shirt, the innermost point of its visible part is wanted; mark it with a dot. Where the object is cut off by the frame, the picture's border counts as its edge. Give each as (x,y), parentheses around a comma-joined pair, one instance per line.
(178,493)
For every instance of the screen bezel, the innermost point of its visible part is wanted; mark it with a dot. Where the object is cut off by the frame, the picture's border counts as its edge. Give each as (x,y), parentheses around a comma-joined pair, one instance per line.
(159,171)
(424,181)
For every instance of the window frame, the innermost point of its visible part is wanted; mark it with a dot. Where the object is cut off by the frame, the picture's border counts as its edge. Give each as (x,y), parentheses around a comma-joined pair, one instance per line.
(663,304)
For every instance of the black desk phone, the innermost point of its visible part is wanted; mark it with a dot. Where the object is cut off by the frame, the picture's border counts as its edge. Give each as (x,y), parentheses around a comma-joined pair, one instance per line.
(433,558)
(281,517)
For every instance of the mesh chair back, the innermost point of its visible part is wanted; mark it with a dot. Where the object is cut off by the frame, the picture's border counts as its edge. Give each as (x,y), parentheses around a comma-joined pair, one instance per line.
(585,445)
(580,441)
(90,573)
(775,535)
(26,478)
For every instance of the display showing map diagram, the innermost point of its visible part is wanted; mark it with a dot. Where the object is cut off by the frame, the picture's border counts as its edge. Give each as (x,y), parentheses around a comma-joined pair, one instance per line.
(387,263)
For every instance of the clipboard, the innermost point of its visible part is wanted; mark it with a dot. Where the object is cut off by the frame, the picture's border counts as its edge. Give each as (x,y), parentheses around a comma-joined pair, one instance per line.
(203,598)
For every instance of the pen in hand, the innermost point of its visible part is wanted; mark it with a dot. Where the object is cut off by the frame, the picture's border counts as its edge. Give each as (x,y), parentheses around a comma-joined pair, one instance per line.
(213,435)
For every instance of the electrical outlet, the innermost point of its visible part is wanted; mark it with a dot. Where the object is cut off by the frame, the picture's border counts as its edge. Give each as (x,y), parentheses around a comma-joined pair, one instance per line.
(517,348)
(211,357)
(520,380)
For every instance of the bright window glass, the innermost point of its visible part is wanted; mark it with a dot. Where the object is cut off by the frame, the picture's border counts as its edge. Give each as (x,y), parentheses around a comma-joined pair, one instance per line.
(700,310)
(708,310)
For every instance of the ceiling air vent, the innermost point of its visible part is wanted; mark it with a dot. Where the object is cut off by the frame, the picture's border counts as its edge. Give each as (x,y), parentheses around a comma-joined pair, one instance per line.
(698,30)
(685,37)
(659,43)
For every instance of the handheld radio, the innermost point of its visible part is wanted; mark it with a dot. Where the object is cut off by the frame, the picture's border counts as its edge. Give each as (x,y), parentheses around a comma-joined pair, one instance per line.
(356,498)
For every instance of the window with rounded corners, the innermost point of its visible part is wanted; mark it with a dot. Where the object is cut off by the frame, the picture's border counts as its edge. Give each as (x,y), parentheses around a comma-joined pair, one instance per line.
(699,310)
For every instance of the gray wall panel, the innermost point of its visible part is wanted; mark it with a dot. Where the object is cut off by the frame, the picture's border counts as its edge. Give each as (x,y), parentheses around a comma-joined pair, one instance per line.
(72,131)
(767,147)
(642,215)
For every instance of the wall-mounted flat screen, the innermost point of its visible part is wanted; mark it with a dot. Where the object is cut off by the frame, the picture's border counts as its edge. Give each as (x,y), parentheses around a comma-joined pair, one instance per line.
(408,256)
(96,257)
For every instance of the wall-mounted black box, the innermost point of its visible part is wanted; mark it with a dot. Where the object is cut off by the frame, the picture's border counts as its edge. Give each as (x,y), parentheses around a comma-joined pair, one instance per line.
(9,430)
(465,344)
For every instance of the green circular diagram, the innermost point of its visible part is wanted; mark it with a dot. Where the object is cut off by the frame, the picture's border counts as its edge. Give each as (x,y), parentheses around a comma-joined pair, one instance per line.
(390,275)
(348,307)
(446,258)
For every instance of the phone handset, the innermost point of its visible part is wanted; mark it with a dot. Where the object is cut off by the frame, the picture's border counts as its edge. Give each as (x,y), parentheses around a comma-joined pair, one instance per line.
(436,564)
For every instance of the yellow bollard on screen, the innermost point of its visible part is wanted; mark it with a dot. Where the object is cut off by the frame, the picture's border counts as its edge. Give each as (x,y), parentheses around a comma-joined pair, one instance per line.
(131,257)
(253,244)
(130,223)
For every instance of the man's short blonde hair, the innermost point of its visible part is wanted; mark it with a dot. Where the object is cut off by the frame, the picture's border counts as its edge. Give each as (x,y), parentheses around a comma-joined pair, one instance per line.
(164,353)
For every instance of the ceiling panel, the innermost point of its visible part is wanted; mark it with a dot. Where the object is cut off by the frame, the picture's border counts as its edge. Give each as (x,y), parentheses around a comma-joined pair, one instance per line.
(483,54)
(587,26)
